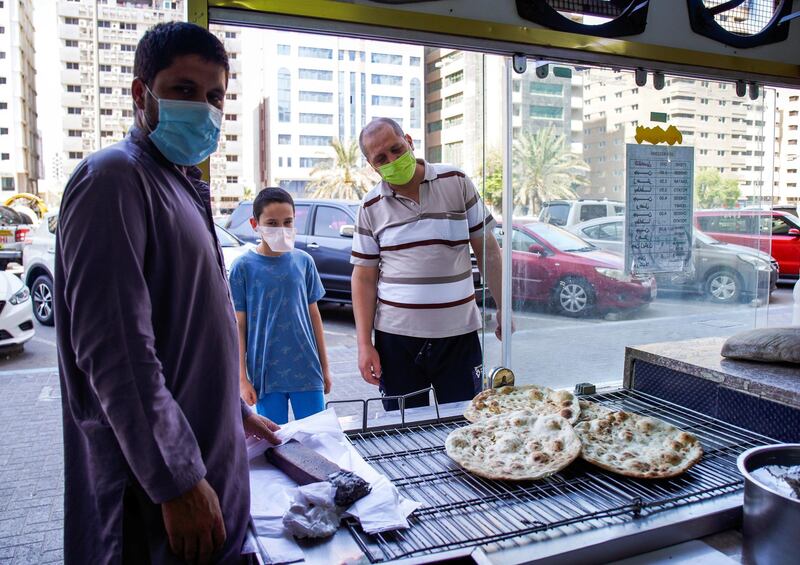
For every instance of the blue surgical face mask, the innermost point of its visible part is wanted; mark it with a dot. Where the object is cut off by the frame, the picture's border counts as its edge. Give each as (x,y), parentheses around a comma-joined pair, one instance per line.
(187,132)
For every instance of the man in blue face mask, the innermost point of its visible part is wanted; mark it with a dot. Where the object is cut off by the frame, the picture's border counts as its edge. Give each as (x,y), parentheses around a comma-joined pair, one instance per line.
(156,468)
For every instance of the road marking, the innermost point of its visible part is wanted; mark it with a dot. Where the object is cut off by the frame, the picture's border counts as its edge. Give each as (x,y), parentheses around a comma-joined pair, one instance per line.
(30,371)
(45,341)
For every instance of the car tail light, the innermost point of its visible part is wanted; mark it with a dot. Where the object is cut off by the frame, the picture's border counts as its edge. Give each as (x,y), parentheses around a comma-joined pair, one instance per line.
(21,234)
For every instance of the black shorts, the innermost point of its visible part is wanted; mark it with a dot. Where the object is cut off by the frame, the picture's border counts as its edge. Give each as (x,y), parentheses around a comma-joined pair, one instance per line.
(453,365)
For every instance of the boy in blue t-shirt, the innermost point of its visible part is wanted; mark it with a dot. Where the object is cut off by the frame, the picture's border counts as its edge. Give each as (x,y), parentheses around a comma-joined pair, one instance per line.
(275,289)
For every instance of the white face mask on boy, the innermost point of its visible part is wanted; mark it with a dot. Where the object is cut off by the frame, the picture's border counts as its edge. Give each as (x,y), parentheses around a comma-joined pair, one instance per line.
(279,240)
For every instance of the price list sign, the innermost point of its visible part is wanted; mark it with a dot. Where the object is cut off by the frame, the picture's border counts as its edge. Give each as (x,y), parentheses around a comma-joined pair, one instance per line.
(658,211)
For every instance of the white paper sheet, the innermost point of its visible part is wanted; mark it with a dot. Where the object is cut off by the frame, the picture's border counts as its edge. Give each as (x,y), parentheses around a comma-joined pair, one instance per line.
(383,509)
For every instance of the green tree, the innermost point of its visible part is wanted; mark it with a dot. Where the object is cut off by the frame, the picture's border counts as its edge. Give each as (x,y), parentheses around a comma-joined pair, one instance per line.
(247,194)
(711,190)
(343,176)
(490,180)
(545,169)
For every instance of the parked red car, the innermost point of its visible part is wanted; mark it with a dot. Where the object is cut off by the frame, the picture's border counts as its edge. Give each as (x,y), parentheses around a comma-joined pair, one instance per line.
(771,231)
(551,265)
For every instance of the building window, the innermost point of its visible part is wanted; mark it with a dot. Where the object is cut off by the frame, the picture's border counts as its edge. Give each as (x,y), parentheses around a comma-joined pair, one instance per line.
(231,117)
(71,21)
(434,106)
(232,180)
(386,59)
(387,101)
(435,126)
(8,183)
(73,66)
(127,113)
(231,137)
(415,98)
(315,74)
(457,76)
(453,153)
(284,139)
(103,45)
(73,88)
(73,110)
(313,96)
(284,49)
(105,90)
(315,52)
(454,121)
(105,111)
(316,118)
(3,131)
(230,35)
(546,88)
(71,42)
(232,55)
(74,133)
(127,25)
(414,61)
(231,96)
(311,162)
(231,158)
(106,133)
(454,99)
(435,85)
(128,47)
(126,69)
(546,112)
(387,80)
(320,140)
(125,91)
(103,23)
(73,154)
(284,95)
(434,154)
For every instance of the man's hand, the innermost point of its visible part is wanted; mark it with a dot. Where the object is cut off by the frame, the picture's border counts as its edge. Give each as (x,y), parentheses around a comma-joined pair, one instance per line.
(369,363)
(327,381)
(498,331)
(194,524)
(247,392)
(261,428)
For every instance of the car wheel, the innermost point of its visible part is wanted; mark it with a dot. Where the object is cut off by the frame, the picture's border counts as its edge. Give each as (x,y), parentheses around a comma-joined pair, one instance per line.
(42,297)
(723,287)
(573,296)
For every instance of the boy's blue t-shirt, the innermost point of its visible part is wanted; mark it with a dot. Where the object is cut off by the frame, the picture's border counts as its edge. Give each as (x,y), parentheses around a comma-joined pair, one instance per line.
(275,293)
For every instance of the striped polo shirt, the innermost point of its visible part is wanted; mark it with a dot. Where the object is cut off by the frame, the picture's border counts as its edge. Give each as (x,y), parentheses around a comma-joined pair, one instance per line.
(425,286)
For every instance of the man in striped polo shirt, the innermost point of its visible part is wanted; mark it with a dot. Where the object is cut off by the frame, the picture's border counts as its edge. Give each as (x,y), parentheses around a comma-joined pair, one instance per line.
(412,280)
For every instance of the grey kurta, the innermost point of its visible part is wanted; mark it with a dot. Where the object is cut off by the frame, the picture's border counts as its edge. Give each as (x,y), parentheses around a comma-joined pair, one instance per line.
(148,352)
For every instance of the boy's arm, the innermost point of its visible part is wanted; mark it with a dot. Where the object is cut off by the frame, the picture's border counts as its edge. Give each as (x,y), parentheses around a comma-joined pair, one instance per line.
(246,389)
(319,334)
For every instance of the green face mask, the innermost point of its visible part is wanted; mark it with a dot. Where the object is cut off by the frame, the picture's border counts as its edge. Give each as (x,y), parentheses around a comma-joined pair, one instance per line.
(400,171)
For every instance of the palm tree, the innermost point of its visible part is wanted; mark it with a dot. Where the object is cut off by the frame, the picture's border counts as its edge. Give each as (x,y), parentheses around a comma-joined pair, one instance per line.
(545,169)
(342,177)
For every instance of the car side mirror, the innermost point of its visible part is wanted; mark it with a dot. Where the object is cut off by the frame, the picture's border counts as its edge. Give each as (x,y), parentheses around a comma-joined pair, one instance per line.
(537,249)
(347,231)
(795,232)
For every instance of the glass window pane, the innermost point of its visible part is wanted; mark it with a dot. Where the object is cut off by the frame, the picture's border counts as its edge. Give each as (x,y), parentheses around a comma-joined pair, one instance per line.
(328,221)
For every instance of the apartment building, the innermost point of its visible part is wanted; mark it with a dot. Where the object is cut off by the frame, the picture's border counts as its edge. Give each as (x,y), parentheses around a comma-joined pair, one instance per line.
(98,41)
(318,89)
(786,187)
(728,132)
(20,166)
(464,106)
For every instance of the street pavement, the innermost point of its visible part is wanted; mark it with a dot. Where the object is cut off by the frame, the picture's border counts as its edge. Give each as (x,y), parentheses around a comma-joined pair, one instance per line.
(546,349)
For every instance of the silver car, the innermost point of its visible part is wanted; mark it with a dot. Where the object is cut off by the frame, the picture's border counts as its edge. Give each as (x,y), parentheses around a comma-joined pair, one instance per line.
(38,260)
(724,272)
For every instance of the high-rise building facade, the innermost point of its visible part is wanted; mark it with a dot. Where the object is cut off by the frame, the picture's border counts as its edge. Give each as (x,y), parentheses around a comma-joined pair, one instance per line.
(319,89)
(97,45)
(728,132)
(786,188)
(20,167)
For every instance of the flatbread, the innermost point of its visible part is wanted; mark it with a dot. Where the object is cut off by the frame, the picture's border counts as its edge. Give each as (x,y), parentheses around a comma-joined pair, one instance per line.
(541,400)
(638,446)
(519,445)
(592,410)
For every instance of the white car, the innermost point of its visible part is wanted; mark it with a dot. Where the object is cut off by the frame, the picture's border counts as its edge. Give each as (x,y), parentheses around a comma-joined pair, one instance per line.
(566,213)
(38,258)
(16,322)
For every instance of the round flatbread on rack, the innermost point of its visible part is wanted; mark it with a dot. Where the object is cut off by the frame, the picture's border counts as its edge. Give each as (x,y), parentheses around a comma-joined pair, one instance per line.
(517,446)
(539,399)
(592,410)
(638,446)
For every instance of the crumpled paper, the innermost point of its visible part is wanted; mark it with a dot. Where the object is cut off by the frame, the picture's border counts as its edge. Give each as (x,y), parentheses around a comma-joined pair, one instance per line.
(383,509)
(313,513)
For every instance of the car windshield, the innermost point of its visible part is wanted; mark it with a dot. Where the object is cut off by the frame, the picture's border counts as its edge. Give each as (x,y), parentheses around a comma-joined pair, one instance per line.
(226,239)
(560,239)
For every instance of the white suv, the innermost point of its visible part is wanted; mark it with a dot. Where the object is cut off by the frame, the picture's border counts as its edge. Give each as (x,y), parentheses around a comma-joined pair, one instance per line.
(571,212)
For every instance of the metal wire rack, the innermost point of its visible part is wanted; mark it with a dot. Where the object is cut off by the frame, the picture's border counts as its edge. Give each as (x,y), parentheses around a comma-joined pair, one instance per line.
(462,510)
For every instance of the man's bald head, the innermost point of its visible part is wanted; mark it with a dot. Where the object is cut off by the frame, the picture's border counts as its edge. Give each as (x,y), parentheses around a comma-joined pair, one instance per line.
(380,136)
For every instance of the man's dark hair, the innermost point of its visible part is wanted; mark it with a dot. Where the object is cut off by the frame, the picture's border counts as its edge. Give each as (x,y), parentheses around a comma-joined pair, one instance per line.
(375,124)
(163,42)
(270,195)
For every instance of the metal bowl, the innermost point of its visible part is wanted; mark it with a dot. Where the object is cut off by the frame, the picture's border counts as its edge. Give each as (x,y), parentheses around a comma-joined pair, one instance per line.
(770,521)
